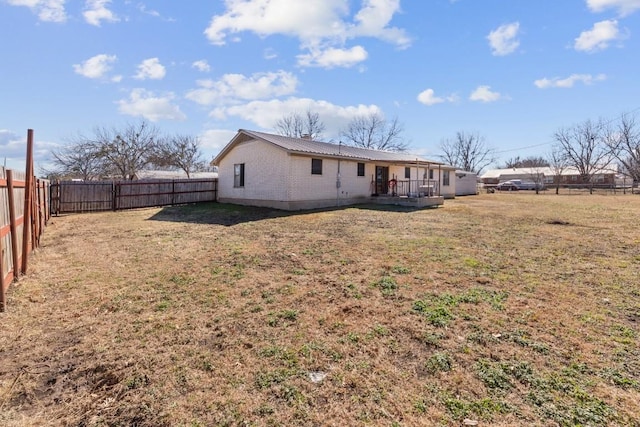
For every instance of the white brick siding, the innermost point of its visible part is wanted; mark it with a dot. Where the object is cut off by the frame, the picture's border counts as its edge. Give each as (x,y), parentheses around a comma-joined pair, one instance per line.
(263,177)
(275,178)
(305,186)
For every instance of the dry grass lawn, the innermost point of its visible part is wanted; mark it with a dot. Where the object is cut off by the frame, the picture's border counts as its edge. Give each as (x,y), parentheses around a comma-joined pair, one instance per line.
(505,309)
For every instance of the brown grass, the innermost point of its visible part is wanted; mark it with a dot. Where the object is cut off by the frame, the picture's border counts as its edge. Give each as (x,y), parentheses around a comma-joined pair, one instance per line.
(509,309)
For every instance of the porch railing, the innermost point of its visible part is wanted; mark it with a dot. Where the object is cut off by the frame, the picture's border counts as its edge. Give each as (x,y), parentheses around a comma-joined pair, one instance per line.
(414,188)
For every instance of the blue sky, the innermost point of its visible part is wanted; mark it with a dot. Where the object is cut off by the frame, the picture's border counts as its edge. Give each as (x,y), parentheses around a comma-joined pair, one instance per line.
(513,71)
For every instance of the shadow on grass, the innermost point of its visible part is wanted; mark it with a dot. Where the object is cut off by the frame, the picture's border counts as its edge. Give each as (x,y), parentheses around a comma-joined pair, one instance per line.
(229,215)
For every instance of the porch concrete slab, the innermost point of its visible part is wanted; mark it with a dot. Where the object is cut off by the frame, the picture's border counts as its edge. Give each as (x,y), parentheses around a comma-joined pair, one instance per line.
(415,202)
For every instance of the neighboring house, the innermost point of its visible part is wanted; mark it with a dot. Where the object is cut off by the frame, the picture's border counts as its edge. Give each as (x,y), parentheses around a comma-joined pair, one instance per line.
(262,169)
(466,183)
(546,175)
(177,174)
(496,176)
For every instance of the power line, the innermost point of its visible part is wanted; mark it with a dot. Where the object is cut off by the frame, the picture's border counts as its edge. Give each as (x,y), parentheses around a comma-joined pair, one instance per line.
(551,142)
(523,148)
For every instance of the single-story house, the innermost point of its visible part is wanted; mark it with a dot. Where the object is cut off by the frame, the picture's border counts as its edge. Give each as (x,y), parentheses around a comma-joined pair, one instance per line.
(262,169)
(466,183)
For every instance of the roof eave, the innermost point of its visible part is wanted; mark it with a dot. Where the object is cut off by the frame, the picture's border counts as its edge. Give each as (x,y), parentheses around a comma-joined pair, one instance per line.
(240,136)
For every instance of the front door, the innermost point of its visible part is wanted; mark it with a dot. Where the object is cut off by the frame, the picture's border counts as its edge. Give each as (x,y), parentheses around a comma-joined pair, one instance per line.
(382,179)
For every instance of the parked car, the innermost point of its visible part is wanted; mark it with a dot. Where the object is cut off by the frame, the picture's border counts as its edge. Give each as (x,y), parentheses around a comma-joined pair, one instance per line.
(507,186)
(518,184)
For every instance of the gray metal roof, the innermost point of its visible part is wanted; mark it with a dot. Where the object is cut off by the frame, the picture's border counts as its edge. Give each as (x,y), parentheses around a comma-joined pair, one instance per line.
(326,149)
(546,171)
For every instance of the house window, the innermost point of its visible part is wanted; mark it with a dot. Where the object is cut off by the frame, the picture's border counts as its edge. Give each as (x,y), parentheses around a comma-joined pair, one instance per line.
(360,169)
(430,173)
(316,166)
(445,178)
(238,175)
(407,173)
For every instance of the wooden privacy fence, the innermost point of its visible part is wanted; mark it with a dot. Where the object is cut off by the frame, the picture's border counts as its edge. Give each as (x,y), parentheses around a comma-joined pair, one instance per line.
(93,196)
(23,216)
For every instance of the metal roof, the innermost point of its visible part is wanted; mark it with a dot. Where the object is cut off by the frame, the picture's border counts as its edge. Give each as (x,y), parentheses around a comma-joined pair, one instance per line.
(546,171)
(325,149)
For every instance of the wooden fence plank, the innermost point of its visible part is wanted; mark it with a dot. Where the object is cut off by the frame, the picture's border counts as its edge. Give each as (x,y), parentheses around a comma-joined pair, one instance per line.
(14,222)
(92,196)
(27,226)
(19,221)
(5,237)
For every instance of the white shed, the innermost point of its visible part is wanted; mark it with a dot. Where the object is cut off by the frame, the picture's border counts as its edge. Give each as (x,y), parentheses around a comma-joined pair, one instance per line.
(466,183)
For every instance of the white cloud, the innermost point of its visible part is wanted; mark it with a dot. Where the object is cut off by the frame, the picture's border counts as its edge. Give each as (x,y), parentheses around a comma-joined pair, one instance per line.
(265,114)
(237,87)
(143,103)
(152,12)
(624,7)
(47,10)
(333,57)
(214,140)
(14,150)
(568,82)
(96,11)
(484,94)
(428,97)
(373,20)
(503,40)
(96,67)
(150,69)
(305,20)
(599,37)
(11,145)
(269,53)
(202,65)
(318,24)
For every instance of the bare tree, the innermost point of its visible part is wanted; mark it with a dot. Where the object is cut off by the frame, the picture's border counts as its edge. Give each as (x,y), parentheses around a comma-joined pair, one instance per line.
(467,151)
(78,159)
(527,162)
(297,126)
(181,152)
(558,163)
(584,148)
(624,142)
(374,132)
(128,150)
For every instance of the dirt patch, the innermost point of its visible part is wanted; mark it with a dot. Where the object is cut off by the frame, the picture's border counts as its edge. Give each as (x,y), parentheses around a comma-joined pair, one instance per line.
(558,222)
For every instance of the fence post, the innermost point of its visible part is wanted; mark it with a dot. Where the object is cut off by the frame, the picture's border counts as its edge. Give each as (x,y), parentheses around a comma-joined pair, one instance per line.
(26,223)
(39,216)
(114,196)
(52,197)
(2,303)
(46,192)
(13,222)
(35,226)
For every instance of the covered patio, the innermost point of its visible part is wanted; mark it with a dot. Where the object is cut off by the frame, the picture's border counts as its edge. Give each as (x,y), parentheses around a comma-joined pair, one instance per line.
(420,186)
